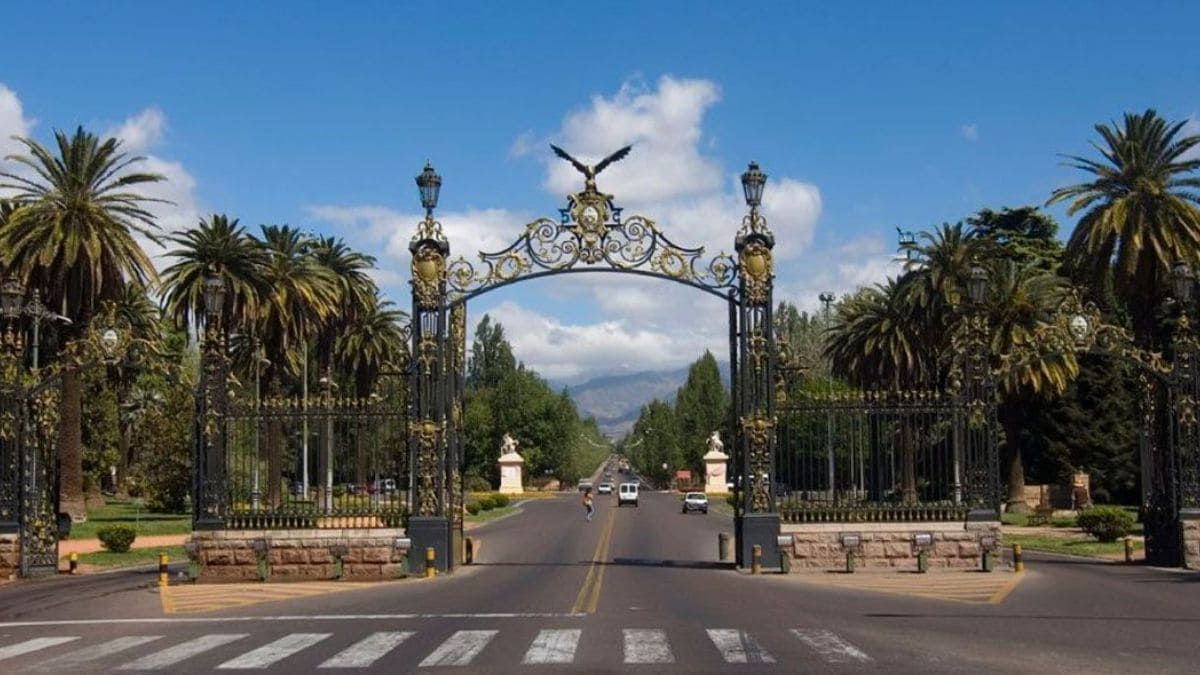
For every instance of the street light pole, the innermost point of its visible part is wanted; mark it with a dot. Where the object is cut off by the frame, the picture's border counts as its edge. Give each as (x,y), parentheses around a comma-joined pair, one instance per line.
(827,300)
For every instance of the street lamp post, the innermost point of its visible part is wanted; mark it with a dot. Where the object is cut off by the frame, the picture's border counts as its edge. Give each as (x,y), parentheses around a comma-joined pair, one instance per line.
(979,398)
(12,293)
(827,300)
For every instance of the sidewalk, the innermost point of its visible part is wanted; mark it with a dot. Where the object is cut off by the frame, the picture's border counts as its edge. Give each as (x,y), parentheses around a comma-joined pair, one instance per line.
(70,546)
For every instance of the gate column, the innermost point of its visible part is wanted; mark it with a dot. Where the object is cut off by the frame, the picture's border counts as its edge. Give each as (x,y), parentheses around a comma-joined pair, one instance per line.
(757,520)
(430,386)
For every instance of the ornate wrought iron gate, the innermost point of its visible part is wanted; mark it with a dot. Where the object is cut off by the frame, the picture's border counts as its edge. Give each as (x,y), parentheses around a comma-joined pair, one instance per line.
(590,235)
(29,472)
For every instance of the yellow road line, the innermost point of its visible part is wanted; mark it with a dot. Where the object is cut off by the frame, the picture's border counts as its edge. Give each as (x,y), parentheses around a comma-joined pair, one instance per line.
(589,593)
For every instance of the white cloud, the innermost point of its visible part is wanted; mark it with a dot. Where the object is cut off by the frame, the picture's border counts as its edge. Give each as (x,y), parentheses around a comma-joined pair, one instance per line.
(12,123)
(969,132)
(141,134)
(566,352)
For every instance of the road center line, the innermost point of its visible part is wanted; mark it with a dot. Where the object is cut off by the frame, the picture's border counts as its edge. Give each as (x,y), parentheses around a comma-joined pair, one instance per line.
(589,593)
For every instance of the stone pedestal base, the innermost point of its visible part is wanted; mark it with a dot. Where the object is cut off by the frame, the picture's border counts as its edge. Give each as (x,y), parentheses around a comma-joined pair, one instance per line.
(760,529)
(818,546)
(510,473)
(1190,524)
(429,532)
(296,555)
(10,556)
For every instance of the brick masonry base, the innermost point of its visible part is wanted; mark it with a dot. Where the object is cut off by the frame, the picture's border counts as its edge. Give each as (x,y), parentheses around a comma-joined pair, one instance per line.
(818,546)
(297,555)
(1191,544)
(10,556)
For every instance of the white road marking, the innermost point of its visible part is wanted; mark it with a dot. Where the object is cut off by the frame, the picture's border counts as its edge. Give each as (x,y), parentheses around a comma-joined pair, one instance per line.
(368,650)
(182,651)
(831,647)
(459,649)
(274,651)
(299,617)
(32,646)
(553,646)
(736,646)
(79,657)
(647,646)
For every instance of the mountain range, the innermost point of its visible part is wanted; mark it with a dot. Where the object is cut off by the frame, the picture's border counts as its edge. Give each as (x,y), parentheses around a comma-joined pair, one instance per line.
(616,400)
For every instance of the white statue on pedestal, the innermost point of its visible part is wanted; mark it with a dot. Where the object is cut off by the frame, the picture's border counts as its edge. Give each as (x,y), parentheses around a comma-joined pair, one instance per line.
(714,465)
(510,465)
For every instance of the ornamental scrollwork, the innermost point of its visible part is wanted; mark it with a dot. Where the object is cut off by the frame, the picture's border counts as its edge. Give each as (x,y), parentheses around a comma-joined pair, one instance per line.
(757,268)
(759,429)
(591,232)
(425,441)
(428,275)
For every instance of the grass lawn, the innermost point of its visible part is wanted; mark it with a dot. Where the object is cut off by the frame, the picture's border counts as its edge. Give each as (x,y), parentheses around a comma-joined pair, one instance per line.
(1081,545)
(135,556)
(126,512)
(493,514)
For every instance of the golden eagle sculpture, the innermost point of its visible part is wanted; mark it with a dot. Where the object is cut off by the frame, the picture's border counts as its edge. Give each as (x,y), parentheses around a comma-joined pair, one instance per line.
(589,173)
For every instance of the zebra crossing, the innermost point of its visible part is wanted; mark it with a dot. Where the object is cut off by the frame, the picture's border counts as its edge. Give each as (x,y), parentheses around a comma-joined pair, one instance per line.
(550,646)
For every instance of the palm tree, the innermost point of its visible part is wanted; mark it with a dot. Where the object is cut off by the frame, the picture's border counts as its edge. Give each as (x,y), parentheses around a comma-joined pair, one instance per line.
(1139,213)
(140,314)
(217,246)
(302,294)
(356,293)
(877,338)
(1021,300)
(73,238)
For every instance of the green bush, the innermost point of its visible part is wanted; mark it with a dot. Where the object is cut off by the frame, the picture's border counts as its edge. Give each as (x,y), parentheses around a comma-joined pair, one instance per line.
(473,508)
(116,538)
(476,483)
(500,500)
(1106,523)
(487,503)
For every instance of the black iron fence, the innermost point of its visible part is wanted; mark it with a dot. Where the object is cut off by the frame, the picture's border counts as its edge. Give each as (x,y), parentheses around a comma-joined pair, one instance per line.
(880,456)
(330,462)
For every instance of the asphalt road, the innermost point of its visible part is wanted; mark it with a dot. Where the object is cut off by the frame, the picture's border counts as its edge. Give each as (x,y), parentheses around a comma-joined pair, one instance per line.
(636,588)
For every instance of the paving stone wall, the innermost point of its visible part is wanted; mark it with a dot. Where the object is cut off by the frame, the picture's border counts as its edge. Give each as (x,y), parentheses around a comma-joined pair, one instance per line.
(1191,544)
(818,546)
(10,556)
(297,555)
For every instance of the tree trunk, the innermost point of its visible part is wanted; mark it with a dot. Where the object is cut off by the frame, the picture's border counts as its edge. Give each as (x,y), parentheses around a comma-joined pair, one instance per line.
(1013,422)
(70,446)
(908,463)
(274,454)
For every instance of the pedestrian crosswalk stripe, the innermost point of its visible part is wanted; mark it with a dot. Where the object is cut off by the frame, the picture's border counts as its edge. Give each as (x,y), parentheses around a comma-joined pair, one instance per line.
(550,646)
(831,647)
(32,646)
(182,651)
(736,646)
(368,650)
(459,649)
(79,657)
(553,646)
(274,651)
(647,645)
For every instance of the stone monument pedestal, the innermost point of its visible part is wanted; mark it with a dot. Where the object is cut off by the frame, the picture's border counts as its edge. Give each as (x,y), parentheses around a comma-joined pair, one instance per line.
(715,463)
(510,473)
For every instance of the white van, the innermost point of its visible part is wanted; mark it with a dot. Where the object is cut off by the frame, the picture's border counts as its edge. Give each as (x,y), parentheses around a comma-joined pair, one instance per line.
(627,493)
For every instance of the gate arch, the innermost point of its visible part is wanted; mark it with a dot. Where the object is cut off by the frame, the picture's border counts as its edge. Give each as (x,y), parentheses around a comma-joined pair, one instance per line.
(589,236)
(1169,435)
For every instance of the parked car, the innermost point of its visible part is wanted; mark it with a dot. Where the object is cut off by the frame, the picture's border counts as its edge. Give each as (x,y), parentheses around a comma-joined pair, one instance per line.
(585,486)
(604,488)
(695,501)
(627,493)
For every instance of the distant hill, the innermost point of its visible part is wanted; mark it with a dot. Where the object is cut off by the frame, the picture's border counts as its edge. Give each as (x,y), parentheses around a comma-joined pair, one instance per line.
(615,400)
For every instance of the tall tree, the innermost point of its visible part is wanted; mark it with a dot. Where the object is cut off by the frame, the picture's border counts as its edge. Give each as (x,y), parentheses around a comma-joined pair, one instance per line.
(73,238)
(701,407)
(218,246)
(491,355)
(1139,213)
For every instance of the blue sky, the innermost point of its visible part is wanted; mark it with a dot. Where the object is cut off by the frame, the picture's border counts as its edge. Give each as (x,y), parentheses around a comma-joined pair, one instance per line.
(867,116)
